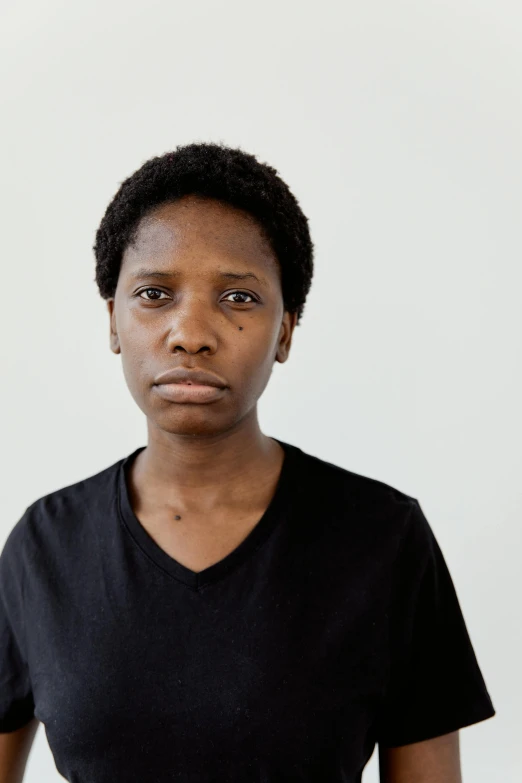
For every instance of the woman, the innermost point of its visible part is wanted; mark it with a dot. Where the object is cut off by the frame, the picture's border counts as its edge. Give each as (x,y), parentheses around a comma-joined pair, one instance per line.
(220,605)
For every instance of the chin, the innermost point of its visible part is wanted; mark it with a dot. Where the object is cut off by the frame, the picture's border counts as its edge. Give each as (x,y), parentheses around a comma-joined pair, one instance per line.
(200,422)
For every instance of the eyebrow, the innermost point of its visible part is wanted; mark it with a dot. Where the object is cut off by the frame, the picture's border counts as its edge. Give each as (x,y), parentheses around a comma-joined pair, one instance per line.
(144,273)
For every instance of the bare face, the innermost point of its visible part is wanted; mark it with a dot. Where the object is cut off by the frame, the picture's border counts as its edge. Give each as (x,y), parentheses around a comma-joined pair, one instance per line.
(199,288)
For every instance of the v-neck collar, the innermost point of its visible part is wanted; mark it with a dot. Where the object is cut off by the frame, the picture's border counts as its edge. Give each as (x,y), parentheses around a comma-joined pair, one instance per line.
(193,579)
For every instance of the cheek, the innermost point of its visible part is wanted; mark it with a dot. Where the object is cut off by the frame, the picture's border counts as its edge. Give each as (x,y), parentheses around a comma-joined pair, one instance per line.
(253,356)
(136,357)
(255,343)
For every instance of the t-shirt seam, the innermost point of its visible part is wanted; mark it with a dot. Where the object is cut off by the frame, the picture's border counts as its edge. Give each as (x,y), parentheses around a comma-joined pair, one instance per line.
(18,630)
(196,587)
(472,713)
(22,641)
(146,554)
(25,651)
(413,503)
(250,554)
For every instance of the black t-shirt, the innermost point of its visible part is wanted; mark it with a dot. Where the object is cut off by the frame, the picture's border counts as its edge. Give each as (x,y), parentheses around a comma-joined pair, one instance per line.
(332,626)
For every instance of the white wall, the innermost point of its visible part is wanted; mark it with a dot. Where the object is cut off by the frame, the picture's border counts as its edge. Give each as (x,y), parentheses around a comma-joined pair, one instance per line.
(398,126)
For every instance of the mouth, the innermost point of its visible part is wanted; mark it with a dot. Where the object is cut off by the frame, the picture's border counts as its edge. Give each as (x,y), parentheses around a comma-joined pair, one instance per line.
(188,392)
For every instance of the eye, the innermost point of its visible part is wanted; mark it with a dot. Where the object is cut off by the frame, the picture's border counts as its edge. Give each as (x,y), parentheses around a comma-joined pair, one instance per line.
(240,293)
(156,293)
(146,290)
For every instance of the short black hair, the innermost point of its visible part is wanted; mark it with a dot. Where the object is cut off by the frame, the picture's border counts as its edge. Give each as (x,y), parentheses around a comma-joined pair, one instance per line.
(211,170)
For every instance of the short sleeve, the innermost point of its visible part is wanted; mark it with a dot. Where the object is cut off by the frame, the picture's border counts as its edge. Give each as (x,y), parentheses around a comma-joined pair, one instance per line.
(435,684)
(16,697)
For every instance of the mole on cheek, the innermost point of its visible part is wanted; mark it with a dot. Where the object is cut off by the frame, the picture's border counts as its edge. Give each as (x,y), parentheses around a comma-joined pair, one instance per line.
(177,516)
(240,328)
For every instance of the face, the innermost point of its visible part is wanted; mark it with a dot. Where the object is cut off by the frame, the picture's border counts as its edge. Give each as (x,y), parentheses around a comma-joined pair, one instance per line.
(199,288)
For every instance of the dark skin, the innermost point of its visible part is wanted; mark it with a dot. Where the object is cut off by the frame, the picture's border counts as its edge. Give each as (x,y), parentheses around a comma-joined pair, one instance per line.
(208,472)
(435,760)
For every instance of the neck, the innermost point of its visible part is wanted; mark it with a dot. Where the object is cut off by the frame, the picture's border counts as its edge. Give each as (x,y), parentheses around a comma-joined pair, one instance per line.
(211,463)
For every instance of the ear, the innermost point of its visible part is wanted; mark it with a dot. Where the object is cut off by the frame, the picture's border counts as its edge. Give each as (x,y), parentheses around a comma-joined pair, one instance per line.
(285,336)
(114,340)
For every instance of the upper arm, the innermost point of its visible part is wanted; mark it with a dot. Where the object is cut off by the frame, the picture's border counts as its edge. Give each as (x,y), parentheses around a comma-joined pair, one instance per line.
(14,751)
(434,685)
(434,760)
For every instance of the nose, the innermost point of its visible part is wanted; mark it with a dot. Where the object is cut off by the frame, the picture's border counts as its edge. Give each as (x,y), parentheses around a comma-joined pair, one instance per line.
(192,329)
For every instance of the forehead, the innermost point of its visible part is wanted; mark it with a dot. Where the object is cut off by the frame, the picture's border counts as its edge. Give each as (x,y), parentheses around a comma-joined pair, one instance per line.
(197,226)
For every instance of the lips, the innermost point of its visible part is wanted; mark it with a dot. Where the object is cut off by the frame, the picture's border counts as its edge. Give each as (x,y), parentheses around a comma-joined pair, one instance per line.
(184,375)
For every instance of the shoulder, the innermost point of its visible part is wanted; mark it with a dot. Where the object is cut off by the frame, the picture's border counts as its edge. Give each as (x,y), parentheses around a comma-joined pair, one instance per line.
(362,528)
(374,526)
(347,494)
(59,515)
(90,490)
